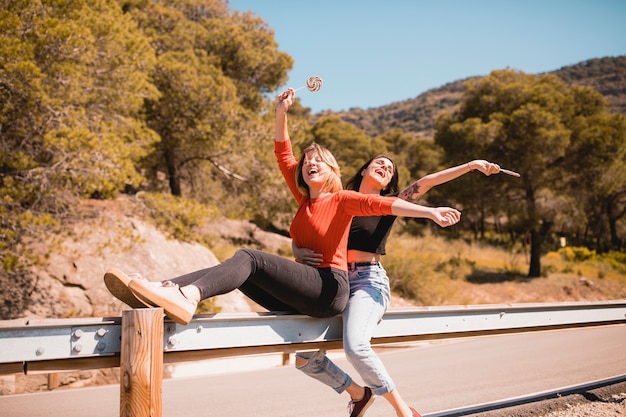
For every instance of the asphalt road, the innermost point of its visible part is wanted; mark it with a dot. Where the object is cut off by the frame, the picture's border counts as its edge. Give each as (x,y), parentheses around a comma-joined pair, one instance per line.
(432,377)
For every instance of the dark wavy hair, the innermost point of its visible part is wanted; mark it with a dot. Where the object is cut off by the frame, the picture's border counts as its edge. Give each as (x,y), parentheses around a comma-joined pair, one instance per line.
(354,183)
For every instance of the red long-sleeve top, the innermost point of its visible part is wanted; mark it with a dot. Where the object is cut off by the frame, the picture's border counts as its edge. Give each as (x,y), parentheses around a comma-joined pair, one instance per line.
(322,224)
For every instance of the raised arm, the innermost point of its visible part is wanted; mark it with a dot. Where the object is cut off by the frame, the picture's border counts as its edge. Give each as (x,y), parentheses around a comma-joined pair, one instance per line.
(285,100)
(414,191)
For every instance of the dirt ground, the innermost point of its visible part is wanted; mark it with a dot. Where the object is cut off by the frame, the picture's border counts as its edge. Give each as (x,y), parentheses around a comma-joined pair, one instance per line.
(603,402)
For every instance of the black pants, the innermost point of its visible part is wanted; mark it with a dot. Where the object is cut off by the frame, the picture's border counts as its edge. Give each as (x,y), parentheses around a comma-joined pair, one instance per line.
(274,282)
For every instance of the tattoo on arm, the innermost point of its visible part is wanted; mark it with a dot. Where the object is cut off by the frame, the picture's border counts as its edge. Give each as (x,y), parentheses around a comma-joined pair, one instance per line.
(411,193)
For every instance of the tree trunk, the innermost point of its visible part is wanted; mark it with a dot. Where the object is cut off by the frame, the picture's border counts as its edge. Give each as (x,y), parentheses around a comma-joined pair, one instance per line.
(537,236)
(538,231)
(613,218)
(172,172)
(534,270)
(616,242)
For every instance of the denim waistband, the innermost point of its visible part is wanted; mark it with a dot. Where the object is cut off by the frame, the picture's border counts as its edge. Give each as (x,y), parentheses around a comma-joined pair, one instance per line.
(353,265)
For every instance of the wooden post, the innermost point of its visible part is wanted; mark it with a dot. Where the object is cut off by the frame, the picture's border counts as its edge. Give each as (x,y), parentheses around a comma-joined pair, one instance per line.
(53,381)
(141,363)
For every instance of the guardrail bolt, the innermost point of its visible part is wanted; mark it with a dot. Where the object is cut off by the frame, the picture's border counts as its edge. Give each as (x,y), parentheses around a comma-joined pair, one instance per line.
(171,341)
(101,332)
(101,346)
(77,333)
(40,351)
(170,329)
(78,347)
(199,329)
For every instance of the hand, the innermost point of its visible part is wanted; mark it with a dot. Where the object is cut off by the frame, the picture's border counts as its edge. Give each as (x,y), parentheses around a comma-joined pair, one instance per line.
(485,167)
(446,216)
(285,99)
(306,256)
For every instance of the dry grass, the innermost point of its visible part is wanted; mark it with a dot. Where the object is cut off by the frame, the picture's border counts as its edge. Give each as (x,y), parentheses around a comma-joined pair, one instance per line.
(431,270)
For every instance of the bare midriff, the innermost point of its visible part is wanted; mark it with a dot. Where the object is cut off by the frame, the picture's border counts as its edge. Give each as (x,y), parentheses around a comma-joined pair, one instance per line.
(355,255)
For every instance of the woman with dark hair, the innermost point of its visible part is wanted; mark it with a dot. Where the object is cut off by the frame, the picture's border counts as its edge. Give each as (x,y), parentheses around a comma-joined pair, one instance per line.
(321,223)
(369,286)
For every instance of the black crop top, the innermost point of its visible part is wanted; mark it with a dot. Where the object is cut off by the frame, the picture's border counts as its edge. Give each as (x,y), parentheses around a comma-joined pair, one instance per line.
(370,233)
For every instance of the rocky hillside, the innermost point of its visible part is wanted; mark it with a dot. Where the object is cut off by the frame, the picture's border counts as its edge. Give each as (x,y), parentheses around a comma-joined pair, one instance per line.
(71,284)
(417,116)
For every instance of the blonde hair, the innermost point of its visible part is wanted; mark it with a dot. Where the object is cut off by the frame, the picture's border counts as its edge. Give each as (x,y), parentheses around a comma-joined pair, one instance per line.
(333,182)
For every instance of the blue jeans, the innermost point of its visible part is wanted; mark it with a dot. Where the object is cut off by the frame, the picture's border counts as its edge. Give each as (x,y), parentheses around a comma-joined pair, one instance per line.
(369,299)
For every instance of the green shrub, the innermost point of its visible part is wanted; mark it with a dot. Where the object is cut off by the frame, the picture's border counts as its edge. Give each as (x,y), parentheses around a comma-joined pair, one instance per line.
(579,254)
(177,216)
(616,260)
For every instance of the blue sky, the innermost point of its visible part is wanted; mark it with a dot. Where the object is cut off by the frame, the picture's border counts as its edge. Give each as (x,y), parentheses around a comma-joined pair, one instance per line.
(372,53)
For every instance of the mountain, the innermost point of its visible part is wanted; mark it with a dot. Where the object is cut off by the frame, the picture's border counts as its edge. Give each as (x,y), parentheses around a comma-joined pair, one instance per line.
(417,116)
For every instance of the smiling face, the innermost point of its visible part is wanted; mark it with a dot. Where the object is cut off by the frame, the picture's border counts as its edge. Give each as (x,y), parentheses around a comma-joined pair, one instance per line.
(318,171)
(314,170)
(378,173)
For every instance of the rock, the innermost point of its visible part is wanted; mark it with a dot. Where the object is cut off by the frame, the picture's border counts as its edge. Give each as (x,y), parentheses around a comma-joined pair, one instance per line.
(71,284)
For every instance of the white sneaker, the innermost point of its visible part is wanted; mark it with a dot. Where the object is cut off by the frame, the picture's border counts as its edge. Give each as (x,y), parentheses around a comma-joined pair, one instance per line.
(177,307)
(117,282)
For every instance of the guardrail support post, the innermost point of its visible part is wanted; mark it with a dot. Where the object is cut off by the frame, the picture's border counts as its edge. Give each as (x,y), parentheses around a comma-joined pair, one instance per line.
(53,381)
(141,363)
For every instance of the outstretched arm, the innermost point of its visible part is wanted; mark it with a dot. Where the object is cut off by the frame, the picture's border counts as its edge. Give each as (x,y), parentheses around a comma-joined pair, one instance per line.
(414,191)
(443,216)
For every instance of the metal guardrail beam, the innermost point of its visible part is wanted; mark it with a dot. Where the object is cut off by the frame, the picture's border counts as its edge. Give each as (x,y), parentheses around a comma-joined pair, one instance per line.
(69,340)
(60,339)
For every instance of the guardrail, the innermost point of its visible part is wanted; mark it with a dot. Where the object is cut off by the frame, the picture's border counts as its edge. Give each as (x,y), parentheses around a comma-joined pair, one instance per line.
(141,341)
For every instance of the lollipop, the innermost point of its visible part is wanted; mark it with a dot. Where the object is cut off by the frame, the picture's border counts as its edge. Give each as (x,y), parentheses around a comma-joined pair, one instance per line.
(509,172)
(314,84)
